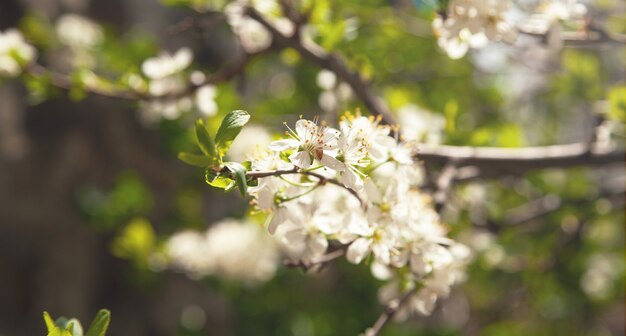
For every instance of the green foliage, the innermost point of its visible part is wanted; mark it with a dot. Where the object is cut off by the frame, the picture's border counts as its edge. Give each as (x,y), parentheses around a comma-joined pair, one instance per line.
(219,174)
(617,100)
(240,176)
(195,160)
(206,142)
(229,129)
(136,242)
(72,327)
(129,197)
(100,323)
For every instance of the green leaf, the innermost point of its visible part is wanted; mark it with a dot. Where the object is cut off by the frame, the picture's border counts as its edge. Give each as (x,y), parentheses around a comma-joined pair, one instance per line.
(219,181)
(195,160)
(240,176)
(100,323)
(205,141)
(49,322)
(229,129)
(137,241)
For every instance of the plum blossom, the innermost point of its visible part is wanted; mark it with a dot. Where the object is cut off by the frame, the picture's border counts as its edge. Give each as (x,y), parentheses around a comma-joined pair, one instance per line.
(310,142)
(471,24)
(230,249)
(374,209)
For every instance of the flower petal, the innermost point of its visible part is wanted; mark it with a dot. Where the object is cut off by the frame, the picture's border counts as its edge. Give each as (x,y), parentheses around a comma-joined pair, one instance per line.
(284,144)
(279,217)
(301,159)
(305,129)
(332,163)
(358,250)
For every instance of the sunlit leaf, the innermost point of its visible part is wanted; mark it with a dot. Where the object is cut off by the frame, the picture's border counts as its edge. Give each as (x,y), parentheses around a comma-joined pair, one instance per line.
(240,176)
(100,323)
(229,129)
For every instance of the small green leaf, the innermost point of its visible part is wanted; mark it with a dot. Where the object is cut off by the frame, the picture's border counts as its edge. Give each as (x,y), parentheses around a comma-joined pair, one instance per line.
(229,129)
(240,176)
(49,322)
(205,141)
(219,181)
(195,160)
(100,323)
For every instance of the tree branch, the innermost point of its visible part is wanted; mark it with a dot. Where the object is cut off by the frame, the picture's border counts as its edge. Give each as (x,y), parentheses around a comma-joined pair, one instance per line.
(321,179)
(331,62)
(492,162)
(224,74)
(390,311)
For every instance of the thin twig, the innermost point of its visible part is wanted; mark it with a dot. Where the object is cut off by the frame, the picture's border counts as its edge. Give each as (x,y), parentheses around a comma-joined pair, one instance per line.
(321,179)
(388,313)
(225,73)
(445,181)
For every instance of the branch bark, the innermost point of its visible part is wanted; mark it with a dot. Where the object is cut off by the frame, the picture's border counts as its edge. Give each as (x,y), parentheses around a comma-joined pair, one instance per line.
(331,62)
(493,162)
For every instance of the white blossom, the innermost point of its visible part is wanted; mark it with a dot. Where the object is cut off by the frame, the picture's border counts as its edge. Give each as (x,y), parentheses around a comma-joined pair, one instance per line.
(230,249)
(78,31)
(310,142)
(374,209)
(471,24)
(15,53)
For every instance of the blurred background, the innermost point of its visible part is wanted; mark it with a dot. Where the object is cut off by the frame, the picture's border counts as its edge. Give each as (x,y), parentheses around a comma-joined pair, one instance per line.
(91,190)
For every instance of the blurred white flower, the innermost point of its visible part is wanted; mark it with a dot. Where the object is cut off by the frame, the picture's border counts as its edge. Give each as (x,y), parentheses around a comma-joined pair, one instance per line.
(251,140)
(78,32)
(15,53)
(230,249)
(170,87)
(205,100)
(420,125)
(326,79)
(471,24)
(166,65)
(252,35)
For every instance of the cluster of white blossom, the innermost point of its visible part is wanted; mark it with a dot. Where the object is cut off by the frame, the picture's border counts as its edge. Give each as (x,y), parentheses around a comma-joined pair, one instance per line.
(420,125)
(230,249)
(169,86)
(357,187)
(334,93)
(252,35)
(549,15)
(81,35)
(15,53)
(473,23)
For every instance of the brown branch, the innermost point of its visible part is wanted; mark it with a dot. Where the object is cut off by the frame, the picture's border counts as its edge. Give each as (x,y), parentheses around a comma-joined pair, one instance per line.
(591,36)
(492,162)
(224,74)
(388,313)
(321,179)
(445,181)
(331,62)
